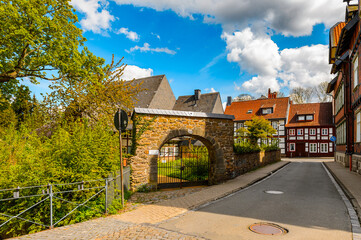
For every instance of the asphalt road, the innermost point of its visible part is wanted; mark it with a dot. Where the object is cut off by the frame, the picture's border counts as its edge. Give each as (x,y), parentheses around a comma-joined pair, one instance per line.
(309,208)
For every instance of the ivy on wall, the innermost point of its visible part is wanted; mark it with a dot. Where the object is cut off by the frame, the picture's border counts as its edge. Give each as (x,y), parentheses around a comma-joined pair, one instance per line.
(144,125)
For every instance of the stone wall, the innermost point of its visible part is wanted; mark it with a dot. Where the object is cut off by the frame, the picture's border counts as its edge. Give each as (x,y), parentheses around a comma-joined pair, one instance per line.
(356,163)
(340,157)
(215,133)
(246,162)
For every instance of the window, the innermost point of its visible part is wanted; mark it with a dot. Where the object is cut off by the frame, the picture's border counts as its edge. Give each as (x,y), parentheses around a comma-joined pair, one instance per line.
(339,99)
(249,111)
(324,131)
(313,147)
(312,131)
(358,127)
(301,118)
(355,71)
(292,147)
(275,125)
(292,132)
(266,110)
(299,131)
(309,117)
(324,148)
(341,133)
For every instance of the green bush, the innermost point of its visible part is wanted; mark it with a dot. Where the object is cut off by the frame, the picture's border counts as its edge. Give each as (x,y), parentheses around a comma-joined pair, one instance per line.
(246,147)
(75,152)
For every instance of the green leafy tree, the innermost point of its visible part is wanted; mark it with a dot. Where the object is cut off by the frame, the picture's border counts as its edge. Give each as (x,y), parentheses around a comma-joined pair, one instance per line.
(258,128)
(98,97)
(39,40)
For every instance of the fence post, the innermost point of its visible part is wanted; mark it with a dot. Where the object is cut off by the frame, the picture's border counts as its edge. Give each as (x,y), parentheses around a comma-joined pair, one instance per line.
(51,205)
(106,195)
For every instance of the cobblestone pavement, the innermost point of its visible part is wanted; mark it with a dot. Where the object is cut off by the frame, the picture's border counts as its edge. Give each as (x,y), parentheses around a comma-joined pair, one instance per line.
(147,232)
(140,199)
(145,211)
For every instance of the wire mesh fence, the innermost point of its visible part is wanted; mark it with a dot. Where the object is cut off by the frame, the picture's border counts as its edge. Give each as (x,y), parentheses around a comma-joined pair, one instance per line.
(29,209)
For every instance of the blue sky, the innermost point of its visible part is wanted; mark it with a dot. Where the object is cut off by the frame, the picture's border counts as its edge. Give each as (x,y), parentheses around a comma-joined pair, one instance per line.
(228,46)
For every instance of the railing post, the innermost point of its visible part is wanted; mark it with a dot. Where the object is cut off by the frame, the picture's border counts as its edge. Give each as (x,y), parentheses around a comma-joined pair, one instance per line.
(51,204)
(106,195)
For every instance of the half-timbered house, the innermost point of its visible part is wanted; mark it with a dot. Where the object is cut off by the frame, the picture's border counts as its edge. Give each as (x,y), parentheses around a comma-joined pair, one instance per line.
(309,129)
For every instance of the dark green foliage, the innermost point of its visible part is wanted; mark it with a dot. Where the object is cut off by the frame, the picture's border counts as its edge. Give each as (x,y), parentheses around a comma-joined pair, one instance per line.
(75,152)
(246,147)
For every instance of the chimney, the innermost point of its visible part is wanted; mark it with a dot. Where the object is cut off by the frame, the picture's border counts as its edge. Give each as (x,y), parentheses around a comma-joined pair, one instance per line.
(197,94)
(229,101)
(271,94)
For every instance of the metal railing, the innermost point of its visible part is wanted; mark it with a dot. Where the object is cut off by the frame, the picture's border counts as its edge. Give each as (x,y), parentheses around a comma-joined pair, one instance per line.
(56,192)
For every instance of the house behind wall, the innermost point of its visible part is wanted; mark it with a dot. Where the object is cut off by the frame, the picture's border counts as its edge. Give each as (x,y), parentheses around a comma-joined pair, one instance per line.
(271,108)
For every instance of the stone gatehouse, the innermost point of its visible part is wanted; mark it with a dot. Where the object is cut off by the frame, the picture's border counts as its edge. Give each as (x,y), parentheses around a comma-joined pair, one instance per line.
(153,128)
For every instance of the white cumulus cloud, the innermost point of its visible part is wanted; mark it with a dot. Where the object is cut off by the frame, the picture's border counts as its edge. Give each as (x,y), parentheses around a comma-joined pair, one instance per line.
(289,17)
(129,34)
(258,55)
(146,48)
(306,66)
(97,18)
(131,71)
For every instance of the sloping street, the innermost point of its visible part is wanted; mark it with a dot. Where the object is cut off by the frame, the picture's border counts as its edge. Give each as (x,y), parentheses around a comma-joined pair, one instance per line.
(300,198)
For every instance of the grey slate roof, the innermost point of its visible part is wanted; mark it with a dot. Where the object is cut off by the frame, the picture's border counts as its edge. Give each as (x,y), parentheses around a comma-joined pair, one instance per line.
(181,113)
(156,93)
(208,103)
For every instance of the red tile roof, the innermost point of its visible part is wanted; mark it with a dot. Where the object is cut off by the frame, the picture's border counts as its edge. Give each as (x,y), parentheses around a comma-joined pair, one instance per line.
(240,109)
(322,114)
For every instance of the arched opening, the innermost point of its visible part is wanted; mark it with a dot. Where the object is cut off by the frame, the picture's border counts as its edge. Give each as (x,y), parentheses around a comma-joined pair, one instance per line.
(183,161)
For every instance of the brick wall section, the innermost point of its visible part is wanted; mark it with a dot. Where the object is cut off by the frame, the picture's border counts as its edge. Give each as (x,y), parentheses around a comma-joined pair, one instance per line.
(215,134)
(246,162)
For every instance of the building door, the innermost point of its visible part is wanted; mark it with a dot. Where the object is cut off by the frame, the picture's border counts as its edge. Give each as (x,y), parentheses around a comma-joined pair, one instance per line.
(300,150)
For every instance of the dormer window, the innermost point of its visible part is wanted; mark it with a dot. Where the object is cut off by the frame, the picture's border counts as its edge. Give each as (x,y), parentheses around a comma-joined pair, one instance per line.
(267,110)
(301,118)
(308,117)
(249,111)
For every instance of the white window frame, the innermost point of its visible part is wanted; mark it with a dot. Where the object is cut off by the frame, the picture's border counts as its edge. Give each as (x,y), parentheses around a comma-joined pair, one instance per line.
(301,116)
(313,131)
(324,147)
(313,147)
(326,131)
(309,116)
(294,147)
(292,132)
(300,129)
(355,71)
(266,110)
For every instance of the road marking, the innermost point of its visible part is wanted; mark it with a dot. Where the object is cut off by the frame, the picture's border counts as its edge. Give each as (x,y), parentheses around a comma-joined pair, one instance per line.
(355,224)
(273,192)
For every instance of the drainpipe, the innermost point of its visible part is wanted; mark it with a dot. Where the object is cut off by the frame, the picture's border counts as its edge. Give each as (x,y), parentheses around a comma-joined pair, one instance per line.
(349,126)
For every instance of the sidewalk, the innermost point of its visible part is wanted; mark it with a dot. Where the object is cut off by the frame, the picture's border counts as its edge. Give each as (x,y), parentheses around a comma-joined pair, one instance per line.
(349,181)
(138,224)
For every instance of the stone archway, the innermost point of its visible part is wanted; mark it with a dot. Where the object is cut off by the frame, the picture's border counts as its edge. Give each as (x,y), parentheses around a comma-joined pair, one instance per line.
(156,127)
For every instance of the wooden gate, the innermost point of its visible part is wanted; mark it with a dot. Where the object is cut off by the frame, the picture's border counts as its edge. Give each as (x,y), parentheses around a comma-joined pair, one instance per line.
(181,166)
